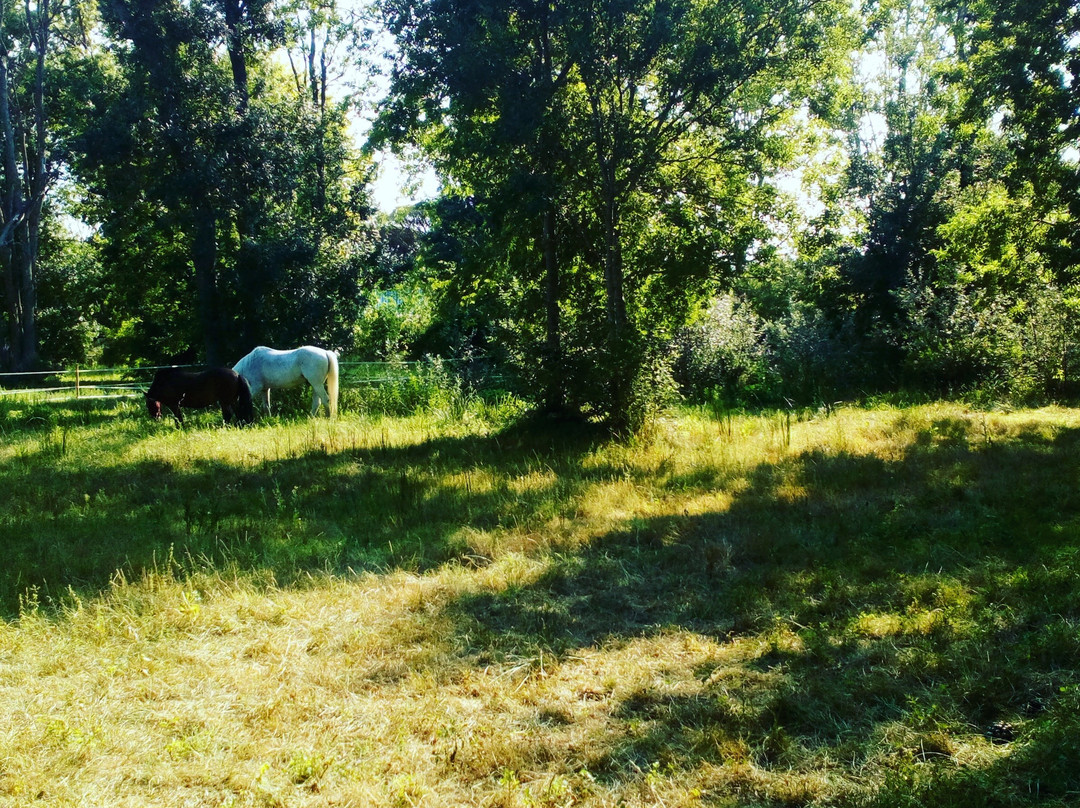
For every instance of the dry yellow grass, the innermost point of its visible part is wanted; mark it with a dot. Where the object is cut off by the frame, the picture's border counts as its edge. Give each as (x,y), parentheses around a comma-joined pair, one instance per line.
(633,635)
(346,692)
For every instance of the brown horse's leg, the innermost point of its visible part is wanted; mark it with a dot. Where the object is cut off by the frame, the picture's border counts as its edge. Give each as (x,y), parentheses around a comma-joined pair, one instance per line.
(176,411)
(226,412)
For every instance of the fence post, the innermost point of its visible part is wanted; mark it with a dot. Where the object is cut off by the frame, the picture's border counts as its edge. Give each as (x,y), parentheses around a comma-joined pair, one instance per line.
(76,381)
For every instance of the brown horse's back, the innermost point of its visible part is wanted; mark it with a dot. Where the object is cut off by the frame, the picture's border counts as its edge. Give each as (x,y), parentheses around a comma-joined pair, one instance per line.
(209,388)
(176,388)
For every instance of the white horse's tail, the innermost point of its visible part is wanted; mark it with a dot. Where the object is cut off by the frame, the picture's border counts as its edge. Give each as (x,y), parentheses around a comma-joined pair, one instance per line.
(332,382)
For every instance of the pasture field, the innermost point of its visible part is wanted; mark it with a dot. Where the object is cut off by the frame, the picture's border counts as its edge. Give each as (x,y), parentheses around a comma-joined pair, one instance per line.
(873,606)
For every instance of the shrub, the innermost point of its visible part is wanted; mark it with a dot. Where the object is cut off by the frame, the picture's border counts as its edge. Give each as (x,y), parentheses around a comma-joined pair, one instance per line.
(725,351)
(811,359)
(959,341)
(392,321)
(408,389)
(952,344)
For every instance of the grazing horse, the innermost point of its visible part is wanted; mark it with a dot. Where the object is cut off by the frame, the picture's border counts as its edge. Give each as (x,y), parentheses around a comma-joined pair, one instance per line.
(265,368)
(176,388)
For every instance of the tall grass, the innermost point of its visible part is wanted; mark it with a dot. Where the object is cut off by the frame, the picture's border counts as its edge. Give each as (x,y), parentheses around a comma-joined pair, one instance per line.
(861,607)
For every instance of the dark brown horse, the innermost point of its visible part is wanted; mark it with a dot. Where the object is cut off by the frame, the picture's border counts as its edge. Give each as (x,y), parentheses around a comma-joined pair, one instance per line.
(176,388)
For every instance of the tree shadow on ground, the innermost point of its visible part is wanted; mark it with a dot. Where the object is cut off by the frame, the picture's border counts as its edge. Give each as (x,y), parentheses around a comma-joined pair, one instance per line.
(22,416)
(936,591)
(895,607)
(73,525)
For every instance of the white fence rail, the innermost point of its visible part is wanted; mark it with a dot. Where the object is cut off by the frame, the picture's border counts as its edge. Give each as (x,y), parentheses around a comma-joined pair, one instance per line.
(91,383)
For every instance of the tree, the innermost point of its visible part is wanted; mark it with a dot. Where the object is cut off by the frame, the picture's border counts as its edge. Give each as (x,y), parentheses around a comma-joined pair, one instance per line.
(948,279)
(153,141)
(26,167)
(205,166)
(325,42)
(905,176)
(685,84)
(871,250)
(583,113)
(479,86)
(1020,74)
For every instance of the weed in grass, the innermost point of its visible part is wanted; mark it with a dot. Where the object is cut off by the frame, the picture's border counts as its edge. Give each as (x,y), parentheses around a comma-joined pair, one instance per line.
(308,768)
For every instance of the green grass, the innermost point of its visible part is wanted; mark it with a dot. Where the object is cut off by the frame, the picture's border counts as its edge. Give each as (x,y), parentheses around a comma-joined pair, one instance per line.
(872,607)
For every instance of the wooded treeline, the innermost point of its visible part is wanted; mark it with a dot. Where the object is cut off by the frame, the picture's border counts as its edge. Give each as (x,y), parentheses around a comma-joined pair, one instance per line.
(740,200)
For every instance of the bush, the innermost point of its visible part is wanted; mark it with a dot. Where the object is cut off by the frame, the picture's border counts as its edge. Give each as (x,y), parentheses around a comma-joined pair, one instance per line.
(812,360)
(957,341)
(951,345)
(408,389)
(726,353)
(652,389)
(392,321)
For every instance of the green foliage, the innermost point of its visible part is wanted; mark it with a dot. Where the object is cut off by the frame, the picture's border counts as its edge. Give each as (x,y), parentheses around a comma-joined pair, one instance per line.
(1021,69)
(586,143)
(931,264)
(953,345)
(652,390)
(610,171)
(995,241)
(724,353)
(997,318)
(393,321)
(427,387)
(70,294)
(733,357)
(240,219)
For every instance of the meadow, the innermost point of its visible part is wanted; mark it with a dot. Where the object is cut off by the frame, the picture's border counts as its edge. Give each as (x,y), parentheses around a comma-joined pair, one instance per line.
(860,606)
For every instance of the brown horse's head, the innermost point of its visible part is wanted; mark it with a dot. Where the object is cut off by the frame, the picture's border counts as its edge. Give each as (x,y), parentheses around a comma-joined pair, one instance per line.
(153,406)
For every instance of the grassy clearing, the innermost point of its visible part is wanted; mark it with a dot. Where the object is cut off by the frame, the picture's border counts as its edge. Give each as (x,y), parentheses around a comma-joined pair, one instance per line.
(874,607)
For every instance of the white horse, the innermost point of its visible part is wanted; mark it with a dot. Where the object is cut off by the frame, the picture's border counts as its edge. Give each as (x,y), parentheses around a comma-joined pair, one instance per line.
(265,368)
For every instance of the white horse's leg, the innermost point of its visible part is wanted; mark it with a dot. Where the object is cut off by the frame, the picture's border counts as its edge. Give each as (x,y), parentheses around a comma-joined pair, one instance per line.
(318,397)
(316,379)
(259,393)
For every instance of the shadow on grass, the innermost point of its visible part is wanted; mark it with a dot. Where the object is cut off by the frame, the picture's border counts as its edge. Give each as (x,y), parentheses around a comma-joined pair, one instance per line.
(33,415)
(896,607)
(73,525)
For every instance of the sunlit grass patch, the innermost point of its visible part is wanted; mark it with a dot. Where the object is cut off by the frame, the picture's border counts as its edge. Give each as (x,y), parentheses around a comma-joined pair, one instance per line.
(853,607)
(890,624)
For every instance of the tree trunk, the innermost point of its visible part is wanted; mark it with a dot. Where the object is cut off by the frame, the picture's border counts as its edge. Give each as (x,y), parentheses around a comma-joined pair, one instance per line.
(554,372)
(11,213)
(248,268)
(234,18)
(317,80)
(38,181)
(27,282)
(615,304)
(23,195)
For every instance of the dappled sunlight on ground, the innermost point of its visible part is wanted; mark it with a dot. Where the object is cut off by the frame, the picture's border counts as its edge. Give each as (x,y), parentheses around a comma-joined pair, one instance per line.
(861,607)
